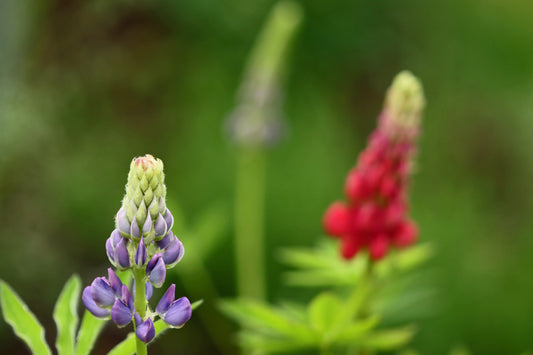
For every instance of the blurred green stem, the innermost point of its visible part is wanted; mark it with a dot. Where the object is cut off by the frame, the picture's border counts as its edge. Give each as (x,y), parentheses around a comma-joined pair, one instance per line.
(140,305)
(249,209)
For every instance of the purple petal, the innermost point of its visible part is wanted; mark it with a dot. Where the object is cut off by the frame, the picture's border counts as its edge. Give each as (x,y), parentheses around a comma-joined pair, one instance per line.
(140,254)
(110,251)
(169,219)
(120,313)
(134,229)
(102,293)
(122,222)
(157,276)
(149,291)
(160,226)
(122,257)
(178,313)
(151,264)
(127,299)
(115,237)
(166,300)
(137,318)
(147,226)
(92,306)
(115,283)
(146,330)
(166,239)
(173,252)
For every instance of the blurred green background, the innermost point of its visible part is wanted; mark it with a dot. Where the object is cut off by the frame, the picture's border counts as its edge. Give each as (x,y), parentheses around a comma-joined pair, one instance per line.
(86,85)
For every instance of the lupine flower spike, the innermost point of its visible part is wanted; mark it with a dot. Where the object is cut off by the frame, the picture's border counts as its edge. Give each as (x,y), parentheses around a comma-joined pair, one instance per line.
(143,243)
(376,214)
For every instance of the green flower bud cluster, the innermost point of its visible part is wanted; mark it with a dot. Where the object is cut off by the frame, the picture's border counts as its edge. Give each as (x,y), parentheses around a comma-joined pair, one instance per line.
(144,212)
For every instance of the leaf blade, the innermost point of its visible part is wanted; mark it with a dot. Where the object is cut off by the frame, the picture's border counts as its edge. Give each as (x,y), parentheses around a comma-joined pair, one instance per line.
(22,320)
(89,330)
(66,315)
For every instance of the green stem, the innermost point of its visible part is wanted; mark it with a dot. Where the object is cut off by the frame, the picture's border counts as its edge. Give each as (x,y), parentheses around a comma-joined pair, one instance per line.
(140,304)
(249,205)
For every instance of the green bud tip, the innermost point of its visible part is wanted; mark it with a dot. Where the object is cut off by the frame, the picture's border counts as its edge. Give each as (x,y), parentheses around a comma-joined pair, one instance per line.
(405,101)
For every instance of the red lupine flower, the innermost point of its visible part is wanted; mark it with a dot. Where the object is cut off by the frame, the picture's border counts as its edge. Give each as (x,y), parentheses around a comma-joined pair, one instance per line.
(376,214)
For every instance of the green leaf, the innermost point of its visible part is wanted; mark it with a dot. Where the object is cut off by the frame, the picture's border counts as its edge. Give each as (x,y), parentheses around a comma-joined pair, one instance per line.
(89,330)
(265,319)
(354,332)
(128,346)
(388,339)
(66,315)
(22,320)
(323,312)
(269,345)
(196,304)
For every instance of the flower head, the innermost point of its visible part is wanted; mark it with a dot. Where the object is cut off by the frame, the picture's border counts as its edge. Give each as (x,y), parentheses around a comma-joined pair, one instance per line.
(376,216)
(143,243)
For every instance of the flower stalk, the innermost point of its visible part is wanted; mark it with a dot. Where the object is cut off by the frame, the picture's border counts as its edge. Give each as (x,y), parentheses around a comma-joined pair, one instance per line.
(254,125)
(144,244)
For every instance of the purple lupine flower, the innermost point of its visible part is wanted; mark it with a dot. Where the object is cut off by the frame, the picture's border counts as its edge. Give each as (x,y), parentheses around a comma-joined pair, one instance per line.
(123,308)
(141,241)
(145,330)
(173,252)
(102,293)
(156,270)
(91,306)
(174,312)
(140,254)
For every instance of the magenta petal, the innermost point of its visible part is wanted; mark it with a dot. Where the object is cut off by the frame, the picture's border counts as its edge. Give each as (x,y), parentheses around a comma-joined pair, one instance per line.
(146,331)
(140,254)
(102,293)
(92,306)
(158,274)
(120,313)
(178,313)
(166,300)
(115,283)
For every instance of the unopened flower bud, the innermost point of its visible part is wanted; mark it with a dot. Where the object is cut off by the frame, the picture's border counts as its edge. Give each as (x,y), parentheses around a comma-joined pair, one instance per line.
(403,107)
(144,212)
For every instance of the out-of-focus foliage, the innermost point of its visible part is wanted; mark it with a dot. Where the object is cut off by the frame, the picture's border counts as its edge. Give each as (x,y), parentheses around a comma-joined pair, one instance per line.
(86,85)
(349,316)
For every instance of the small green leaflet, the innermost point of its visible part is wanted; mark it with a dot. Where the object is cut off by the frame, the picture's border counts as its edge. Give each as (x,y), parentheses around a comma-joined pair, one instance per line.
(66,315)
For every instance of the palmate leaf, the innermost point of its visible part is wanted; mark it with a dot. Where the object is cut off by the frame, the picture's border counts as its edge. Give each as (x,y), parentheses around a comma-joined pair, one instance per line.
(66,315)
(324,312)
(22,320)
(89,330)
